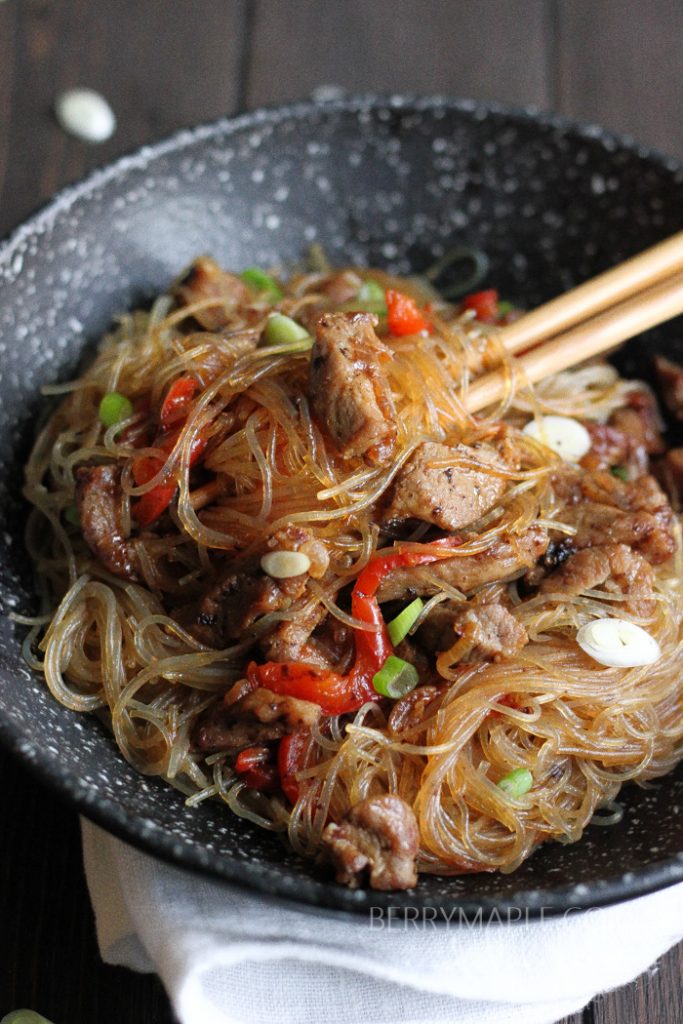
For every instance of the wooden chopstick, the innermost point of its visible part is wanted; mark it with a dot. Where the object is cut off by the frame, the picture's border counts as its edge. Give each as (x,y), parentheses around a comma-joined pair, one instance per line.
(591,338)
(615,285)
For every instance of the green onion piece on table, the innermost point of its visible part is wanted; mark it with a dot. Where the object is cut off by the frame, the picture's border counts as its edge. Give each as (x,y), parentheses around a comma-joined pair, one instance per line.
(396,678)
(400,626)
(115,407)
(517,782)
(259,281)
(282,330)
(24,1017)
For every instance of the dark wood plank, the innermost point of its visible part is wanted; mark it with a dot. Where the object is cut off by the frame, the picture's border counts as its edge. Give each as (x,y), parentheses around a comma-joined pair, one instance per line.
(656,996)
(49,932)
(8,29)
(619,64)
(494,50)
(51,962)
(136,54)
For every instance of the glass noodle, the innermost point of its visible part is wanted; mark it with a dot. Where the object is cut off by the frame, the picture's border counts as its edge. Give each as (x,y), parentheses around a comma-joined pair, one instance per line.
(122,649)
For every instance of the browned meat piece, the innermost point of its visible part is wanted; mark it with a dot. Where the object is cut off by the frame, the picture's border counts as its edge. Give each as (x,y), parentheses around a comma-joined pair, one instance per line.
(259,717)
(501,561)
(268,707)
(296,538)
(349,394)
(99,496)
(640,420)
(379,837)
(340,287)
(237,600)
(291,640)
(218,729)
(614,566)
(409,712)
(612,447)
(670,378)
(558,552)
(442,485)
(337,289)
(335,641)
(613,512)
(669,472)
(491,632)
(308,640)
(206,280)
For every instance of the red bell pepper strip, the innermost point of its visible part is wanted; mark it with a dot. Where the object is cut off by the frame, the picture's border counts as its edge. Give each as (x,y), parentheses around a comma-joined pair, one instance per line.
(250,757)
(403,314)
(336,694)
(154,503)
(484,304)
(176,405)
(256,768)
(290,760)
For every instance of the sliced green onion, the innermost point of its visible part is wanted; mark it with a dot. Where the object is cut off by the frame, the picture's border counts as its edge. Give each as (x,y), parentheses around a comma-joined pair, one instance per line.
(282,330)
(464,268)
(257,279)
(370,299)
(396,678)
(317,261)
(115,407)
(71,515)
(399,627)
(621,472)
(504,308)
(517,782)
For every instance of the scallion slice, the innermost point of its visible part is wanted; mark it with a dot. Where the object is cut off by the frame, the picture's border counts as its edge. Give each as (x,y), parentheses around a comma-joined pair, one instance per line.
(259,281)
(282,330)
(114,407)
(396,678)
(370,299)
(620,472)
(517,782)
(400,626)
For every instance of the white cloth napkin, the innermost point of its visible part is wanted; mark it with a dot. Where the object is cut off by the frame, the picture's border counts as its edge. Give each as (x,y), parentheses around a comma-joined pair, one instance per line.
(227,956)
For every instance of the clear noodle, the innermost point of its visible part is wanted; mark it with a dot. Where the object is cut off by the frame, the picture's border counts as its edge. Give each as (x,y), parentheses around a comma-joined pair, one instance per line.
(124,648)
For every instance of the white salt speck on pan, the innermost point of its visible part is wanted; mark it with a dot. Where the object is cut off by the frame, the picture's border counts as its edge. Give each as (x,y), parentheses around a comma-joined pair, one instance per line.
(85,114)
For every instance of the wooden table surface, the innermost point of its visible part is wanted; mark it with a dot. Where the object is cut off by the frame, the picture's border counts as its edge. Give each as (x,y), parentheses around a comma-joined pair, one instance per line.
(165,64)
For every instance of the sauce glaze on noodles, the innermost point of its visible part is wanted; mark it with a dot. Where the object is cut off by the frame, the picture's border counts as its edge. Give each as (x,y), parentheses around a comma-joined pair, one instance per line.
(114,646)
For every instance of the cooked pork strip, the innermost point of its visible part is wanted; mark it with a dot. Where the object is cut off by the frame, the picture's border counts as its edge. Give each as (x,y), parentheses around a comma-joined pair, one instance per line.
(441,485)
(349,394)
(378,837)
(98,497)
(501,561)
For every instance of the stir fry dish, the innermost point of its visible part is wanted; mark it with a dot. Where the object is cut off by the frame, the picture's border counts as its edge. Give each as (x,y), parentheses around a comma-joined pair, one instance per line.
(290,570)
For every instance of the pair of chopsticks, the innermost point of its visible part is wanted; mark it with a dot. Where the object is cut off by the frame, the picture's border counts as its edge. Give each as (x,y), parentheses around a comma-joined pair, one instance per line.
(590,320)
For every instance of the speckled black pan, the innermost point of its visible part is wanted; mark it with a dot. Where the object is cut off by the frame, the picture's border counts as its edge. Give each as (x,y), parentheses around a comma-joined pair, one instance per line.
(390,182)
